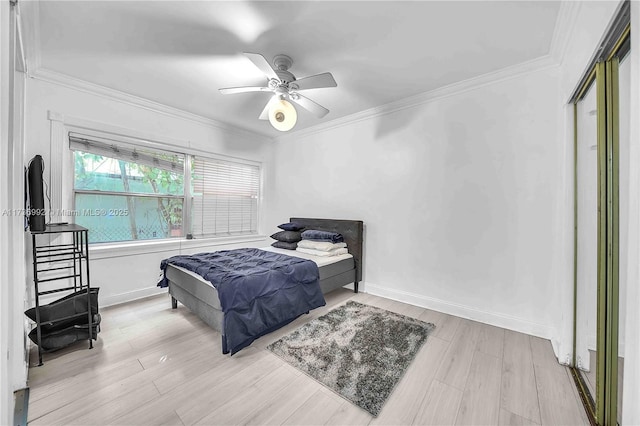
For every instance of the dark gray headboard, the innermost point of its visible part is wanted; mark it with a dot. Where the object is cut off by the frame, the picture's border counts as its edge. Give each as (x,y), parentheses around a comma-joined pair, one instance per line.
(351,230)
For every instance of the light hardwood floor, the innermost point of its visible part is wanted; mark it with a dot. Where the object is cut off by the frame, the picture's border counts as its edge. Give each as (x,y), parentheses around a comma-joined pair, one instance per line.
(153,365)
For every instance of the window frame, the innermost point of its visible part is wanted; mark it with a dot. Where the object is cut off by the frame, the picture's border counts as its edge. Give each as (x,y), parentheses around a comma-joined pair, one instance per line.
(188,154)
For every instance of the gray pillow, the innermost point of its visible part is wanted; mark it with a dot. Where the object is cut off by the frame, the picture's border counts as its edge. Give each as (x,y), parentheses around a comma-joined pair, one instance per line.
(291,226)
(287,236)
(283,245)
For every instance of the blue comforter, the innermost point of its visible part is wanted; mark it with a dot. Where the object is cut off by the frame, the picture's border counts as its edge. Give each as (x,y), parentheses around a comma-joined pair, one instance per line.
(259,291)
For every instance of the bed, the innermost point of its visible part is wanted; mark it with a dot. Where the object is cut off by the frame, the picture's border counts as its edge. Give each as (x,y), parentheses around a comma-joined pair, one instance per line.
(202,298)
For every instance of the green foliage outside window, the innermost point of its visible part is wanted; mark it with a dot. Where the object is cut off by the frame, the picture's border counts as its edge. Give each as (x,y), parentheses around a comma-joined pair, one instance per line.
(155,217)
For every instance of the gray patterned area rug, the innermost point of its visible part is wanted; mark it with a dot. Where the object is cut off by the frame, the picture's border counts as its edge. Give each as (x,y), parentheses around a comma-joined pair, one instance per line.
(358,351)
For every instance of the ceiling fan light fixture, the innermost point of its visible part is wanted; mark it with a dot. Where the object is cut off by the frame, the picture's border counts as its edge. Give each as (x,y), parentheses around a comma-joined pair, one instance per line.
(285,87)
(282,115)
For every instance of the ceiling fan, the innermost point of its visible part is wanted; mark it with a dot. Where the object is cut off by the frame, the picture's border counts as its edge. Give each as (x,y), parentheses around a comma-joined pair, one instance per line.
(285,87)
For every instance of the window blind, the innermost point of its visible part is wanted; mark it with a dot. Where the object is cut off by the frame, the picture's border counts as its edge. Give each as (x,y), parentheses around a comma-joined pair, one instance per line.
(166,160)
(225,197)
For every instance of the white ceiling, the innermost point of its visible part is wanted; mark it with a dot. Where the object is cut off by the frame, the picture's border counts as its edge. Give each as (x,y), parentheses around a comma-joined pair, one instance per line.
(179,53)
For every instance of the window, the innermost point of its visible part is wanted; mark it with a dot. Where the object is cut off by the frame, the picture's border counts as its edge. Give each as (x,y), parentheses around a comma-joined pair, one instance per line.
(126,192)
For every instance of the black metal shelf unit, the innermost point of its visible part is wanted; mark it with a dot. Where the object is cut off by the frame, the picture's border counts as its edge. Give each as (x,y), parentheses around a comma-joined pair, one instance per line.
(65,261)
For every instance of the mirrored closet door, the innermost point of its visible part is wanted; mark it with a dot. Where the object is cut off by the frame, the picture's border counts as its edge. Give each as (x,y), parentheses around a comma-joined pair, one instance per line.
(601,113)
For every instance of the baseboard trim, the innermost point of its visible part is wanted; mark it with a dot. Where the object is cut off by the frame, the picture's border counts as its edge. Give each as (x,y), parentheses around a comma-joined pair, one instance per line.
(487,317)
(492,318)
(21,407)
(130,296)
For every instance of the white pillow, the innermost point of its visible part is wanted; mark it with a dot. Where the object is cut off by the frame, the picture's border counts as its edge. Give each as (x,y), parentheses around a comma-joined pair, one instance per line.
(320,245)
(335,252)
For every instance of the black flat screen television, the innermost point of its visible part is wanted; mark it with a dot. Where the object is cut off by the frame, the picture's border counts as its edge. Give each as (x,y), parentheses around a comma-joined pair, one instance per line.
(36,211)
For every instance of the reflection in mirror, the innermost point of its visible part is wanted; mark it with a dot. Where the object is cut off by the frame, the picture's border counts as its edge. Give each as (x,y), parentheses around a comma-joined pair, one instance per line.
(624,85)
(587,239)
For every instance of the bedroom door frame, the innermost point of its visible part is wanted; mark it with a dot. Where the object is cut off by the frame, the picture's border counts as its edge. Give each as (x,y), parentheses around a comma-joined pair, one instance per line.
(603,72)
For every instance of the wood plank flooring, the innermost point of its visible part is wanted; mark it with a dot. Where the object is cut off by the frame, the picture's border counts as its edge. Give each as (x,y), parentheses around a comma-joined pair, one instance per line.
(156,366)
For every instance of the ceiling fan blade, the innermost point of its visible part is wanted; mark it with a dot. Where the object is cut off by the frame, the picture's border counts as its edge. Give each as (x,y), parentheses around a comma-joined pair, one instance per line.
(264,115)
(310,105)
(262,64)
(318,81)
(233,90)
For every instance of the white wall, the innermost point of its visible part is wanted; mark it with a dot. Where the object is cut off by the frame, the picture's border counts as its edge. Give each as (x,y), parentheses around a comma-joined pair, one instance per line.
(127,273)
(44,96)
(458,197)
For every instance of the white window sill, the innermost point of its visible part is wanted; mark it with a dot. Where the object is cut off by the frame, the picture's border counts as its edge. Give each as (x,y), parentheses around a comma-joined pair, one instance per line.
(125,249)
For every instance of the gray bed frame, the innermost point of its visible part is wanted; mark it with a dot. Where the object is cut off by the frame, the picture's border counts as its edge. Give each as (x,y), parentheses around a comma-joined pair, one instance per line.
(202,299)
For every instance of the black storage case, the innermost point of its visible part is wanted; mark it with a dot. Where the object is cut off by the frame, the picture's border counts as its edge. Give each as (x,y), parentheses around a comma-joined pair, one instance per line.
(64,321)
(57,339)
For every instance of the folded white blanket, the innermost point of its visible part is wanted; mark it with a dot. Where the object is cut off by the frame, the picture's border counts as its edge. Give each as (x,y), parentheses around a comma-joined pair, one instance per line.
(320,245)
(335,252)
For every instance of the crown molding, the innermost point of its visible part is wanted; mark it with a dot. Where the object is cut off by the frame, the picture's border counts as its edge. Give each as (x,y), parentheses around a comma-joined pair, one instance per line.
(565,23)
(453,89)
(65,80)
